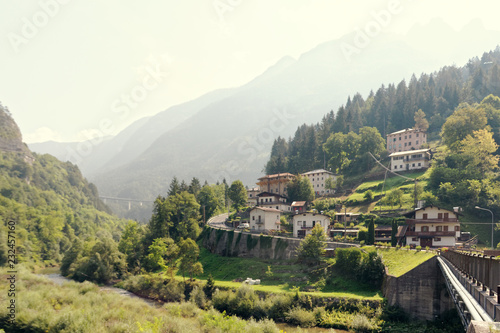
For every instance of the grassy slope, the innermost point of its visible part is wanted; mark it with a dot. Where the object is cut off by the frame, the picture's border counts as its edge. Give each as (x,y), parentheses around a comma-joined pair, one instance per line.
(399,262)
(286,276)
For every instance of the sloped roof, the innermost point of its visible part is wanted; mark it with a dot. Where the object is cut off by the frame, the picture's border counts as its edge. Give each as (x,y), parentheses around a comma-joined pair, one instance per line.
(298,203)
(266,209)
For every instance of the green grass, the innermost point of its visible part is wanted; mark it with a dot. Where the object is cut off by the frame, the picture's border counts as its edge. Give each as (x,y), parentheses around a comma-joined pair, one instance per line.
(286,276)
(399,262)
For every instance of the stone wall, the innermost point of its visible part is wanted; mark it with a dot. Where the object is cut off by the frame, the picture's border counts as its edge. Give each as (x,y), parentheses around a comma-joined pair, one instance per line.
(247,245)
(420,292)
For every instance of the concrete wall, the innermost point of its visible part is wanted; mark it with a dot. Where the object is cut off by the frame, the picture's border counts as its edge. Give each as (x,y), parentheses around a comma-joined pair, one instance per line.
(246,245)
(421,292)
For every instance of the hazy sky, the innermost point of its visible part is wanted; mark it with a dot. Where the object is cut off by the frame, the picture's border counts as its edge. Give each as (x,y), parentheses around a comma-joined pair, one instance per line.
(70,68)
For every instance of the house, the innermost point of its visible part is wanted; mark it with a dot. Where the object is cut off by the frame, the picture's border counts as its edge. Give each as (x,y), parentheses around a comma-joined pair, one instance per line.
(346,217)
(349,232)
(263,218)
(407,139)
(318,180)
(273,200)
(252,196)
(383,233)
(275,183)
(298,207)
(303,223)
(410,160)
(432,226)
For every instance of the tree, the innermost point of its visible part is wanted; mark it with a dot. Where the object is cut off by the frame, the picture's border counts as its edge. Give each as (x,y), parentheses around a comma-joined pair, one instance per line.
(464,121)
(300,189)
(420,122)
(238,194)
(174,187)
(162,255)
(189,258)
(311,249)
(371,233)
(394,231)
(207,198)
(176,216)
(330,183)
(132,244)
(194,187)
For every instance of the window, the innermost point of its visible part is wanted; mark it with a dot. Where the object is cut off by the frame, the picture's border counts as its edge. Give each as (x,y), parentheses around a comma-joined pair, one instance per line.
(409,143)
(253,218)
(417,136)
(405,137)
(440,216)
(424,228)
(439,228)
(394,140)
(406,144)
(424,216)
(437,239)
(445,228)
(419,164)
(395,167)
(399,138)
(409,136)
(457,228)
(414,239)
(413,165)
(417,142)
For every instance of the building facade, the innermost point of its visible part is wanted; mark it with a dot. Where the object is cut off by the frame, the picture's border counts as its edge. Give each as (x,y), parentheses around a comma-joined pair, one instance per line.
(303,223)
(410,160)
(263,218)
(276,183)
(252,196)
(406,139)
(318,180)
(273,200)
(432,226)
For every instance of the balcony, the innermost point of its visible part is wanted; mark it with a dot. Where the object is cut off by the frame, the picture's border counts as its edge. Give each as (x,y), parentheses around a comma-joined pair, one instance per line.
(443,220)
(430,233)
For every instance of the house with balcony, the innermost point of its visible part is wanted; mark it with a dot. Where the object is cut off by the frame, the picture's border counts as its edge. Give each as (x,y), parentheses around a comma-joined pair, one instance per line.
(275,183)
(264,218)
(431,226)
(318,180)
(407,139)
(273,200)
(410,160)
(303,223)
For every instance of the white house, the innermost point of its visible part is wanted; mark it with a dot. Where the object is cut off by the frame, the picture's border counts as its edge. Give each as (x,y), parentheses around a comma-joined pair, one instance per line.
(303,223)
(318,180)
(410,160)
(263,218)
(273,200)
(432,226)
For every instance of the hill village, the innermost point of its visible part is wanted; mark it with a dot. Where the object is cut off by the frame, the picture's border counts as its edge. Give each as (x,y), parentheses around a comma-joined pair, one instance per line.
(427,226)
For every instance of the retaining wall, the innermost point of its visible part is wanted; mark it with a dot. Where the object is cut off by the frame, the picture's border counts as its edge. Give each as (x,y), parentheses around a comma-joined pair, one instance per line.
(246,245)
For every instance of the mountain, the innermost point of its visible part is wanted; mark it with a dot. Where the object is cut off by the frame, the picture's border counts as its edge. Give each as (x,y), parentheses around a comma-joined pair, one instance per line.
(48,202)
(228,134)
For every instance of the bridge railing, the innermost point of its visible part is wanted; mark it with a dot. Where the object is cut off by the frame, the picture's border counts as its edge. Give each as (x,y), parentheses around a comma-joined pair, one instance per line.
(484,270)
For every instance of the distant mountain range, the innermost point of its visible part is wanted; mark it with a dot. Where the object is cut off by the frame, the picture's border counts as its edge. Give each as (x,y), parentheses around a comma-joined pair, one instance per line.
(228,133)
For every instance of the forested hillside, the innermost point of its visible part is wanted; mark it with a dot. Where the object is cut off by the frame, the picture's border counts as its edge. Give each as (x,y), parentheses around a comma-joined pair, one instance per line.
(48,202)
(389,109)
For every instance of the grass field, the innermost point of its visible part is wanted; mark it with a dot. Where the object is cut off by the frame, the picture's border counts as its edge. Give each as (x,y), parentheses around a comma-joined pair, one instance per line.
(399,262)
(286,276)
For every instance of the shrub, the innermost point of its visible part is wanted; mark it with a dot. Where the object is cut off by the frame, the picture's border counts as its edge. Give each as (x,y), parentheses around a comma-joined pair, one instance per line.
(419,248)
(263,326)
(198,297)
(301,317)
(361,323)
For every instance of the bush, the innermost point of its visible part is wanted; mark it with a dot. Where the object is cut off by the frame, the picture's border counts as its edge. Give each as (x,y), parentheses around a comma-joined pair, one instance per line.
(263,326)
(198,297)
(301,317)
(418,248)
(361,323)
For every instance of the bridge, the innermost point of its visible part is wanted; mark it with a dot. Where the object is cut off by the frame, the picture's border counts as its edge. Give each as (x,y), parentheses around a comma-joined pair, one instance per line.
(127,200)
(473,282)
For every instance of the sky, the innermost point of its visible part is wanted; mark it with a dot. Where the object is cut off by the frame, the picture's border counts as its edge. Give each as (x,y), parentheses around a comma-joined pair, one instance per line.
(71,70)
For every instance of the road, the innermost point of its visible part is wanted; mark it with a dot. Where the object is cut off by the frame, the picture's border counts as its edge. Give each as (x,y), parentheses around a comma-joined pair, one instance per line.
(218,221)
